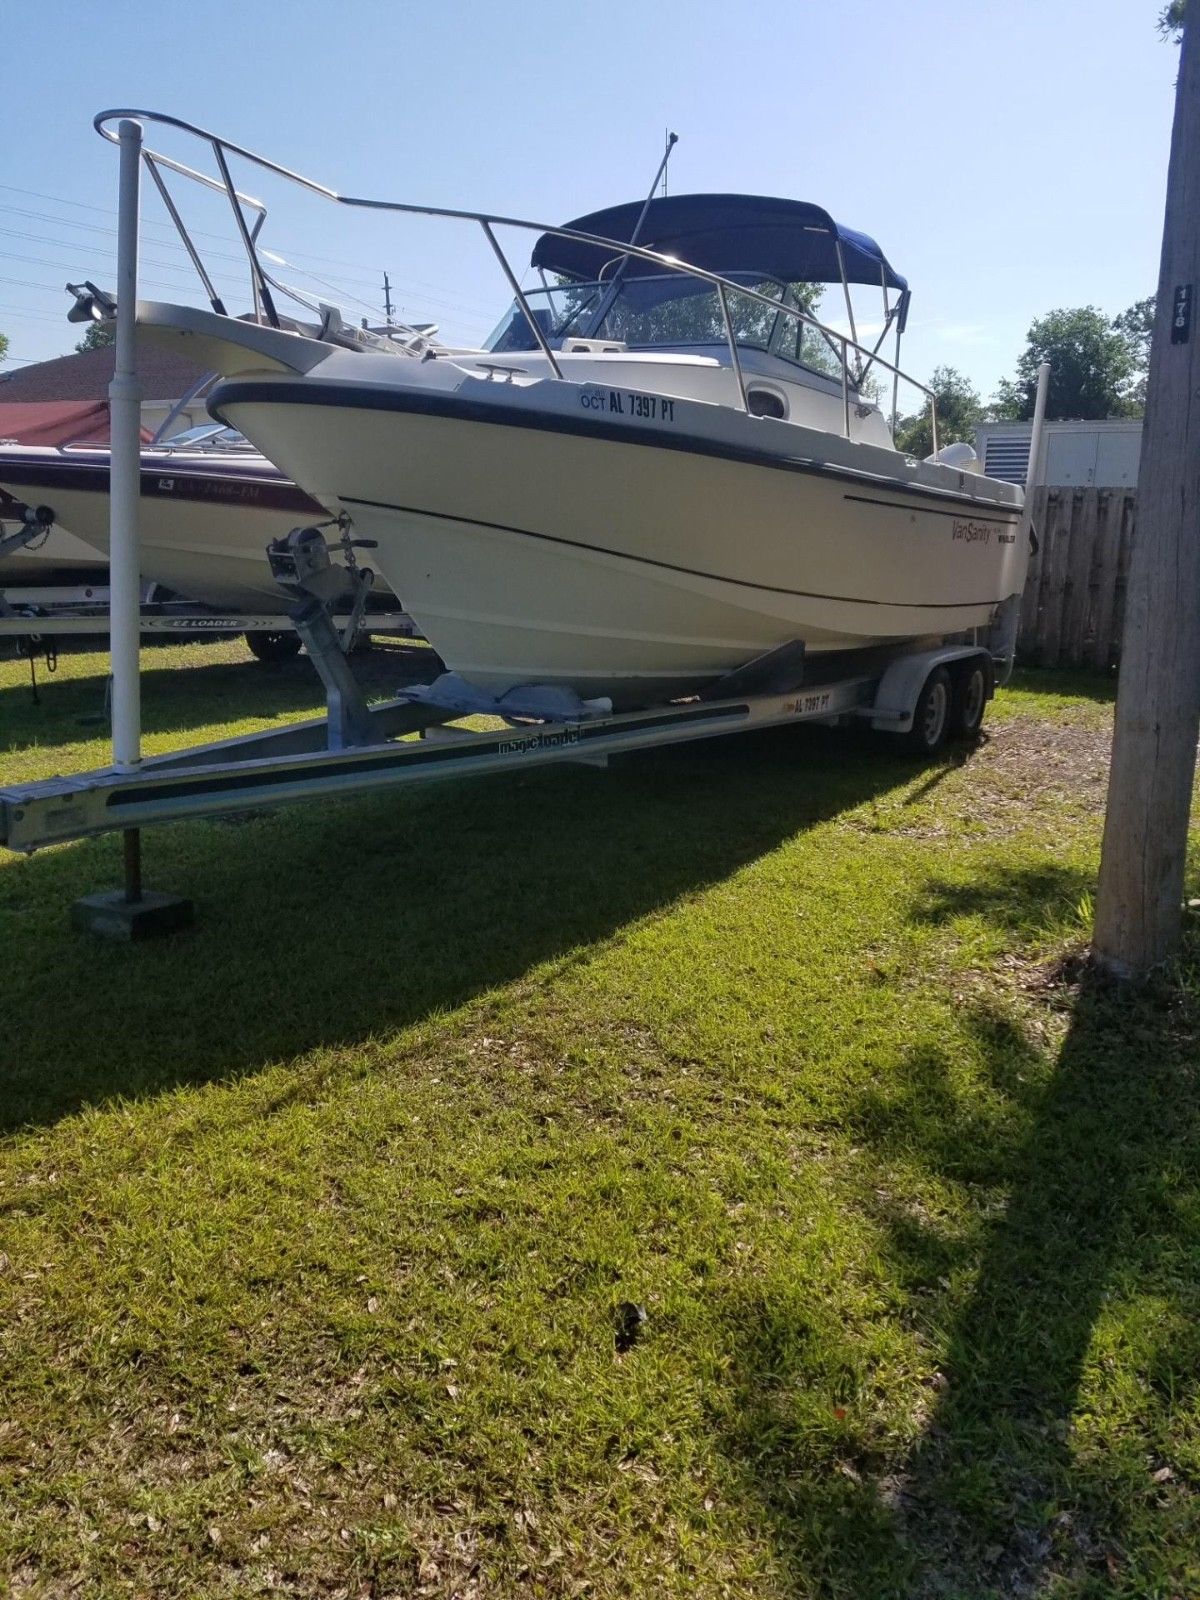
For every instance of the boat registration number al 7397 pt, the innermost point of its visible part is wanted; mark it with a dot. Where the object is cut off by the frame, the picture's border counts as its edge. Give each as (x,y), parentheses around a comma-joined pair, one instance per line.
(628,403)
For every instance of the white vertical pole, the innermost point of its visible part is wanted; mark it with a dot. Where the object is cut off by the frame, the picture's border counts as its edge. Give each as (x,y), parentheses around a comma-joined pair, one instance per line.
(1003,640)
(1033,475)
(125,411)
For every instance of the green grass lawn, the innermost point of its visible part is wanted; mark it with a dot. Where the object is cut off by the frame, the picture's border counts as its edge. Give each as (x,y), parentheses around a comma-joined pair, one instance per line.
(316,1223)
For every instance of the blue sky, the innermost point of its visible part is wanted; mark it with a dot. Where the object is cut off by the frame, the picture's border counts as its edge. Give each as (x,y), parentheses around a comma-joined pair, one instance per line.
(1009,157)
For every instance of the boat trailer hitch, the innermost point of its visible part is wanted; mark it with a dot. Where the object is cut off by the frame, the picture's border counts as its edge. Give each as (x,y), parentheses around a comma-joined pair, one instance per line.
(301,565)
(34,524)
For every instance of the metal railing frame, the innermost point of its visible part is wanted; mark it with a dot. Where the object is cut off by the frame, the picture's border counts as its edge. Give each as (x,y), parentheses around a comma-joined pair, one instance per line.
(262,282)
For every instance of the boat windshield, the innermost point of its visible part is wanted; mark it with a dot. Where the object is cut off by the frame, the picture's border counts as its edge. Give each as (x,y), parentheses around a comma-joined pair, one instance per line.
(210,435)
(669,311)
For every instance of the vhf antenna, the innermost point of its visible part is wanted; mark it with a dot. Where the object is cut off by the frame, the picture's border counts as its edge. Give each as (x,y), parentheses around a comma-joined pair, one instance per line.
(606,300)
(671,139)
(387,299)
(659,176)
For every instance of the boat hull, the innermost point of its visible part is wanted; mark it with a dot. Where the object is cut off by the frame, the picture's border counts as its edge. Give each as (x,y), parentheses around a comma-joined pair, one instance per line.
(203,527)
(533,548)
(54,558)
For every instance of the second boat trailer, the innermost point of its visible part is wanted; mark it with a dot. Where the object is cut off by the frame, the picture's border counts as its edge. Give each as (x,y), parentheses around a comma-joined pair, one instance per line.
(37,614)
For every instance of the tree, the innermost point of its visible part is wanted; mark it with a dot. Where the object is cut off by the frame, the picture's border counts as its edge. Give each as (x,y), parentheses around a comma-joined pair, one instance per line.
(98,337)
(3,345)
(1170,20)
(958,410)
(1135,326)
(1091,368)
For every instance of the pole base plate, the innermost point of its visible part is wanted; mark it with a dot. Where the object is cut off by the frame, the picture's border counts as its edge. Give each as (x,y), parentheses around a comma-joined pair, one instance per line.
(111,916)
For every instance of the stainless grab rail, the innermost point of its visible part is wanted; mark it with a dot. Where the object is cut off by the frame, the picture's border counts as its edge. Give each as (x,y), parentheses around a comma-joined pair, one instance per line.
(261,281)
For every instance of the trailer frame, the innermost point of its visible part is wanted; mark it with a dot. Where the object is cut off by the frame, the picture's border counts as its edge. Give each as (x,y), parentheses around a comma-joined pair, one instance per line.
(417,737)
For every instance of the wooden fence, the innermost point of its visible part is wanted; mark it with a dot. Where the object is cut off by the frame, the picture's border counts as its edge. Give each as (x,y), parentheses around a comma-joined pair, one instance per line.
(1074,602)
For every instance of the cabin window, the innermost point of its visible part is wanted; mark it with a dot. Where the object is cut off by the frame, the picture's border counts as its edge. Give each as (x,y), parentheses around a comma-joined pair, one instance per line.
(800,342)
(675,310)
(561,309)
(660,309)
(765,403)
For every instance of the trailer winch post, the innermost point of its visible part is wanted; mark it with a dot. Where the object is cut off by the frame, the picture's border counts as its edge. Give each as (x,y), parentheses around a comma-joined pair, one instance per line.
(129,912)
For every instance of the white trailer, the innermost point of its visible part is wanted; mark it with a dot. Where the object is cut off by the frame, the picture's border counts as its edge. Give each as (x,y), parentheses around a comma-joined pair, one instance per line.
(923,697)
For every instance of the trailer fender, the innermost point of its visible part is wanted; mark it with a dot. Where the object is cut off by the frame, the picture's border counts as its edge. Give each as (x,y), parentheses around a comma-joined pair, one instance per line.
(901,684)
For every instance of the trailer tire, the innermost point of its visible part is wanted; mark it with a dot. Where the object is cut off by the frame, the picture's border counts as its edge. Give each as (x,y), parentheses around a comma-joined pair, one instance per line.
(972,691)
(931,717)
(280,646)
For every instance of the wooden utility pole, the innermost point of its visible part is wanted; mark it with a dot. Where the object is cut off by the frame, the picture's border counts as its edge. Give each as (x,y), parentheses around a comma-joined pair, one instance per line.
(1139,904)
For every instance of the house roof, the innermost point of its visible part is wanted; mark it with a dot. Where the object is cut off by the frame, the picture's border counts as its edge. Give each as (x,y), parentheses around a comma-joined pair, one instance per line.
(87,375)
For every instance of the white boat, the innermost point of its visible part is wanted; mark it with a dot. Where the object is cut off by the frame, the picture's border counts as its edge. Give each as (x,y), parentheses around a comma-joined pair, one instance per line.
(210,505)
(50,557)
(663,466)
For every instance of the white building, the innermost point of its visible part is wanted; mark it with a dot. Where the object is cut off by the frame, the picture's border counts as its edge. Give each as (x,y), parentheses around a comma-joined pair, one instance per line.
(1084,455)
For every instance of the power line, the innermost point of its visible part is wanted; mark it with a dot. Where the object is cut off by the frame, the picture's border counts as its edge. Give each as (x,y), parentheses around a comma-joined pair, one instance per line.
(39,261)
(200,233)
(466,323)
(94,227)
(25,315)
(220,277)
(157,222)
(42,283)
(224,278)
(81,245)
(174,243)
(32,283)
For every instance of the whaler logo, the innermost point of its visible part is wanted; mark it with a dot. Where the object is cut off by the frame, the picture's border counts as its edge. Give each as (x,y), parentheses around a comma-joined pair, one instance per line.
(971,532)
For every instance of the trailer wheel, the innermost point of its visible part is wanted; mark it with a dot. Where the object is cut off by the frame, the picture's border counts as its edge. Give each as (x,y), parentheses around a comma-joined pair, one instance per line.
(274,646)
(972,689)
(931,719)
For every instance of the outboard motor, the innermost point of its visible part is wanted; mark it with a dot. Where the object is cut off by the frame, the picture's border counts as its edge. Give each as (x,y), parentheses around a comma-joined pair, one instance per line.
(959,455)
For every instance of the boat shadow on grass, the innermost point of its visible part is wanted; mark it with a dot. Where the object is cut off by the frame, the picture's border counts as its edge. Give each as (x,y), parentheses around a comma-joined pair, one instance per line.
(1074,1297)
(327,923)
